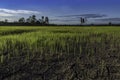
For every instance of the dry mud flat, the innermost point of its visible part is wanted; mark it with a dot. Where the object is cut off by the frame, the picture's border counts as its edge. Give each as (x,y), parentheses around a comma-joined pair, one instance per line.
(64,67)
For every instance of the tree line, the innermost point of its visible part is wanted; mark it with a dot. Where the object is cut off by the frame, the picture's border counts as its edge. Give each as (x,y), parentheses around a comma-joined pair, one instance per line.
(44,21)
(31,20)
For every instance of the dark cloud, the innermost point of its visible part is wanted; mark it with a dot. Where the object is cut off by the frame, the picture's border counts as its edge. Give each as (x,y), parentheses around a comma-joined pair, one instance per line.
(93,15)
(64,20)
(76,18)
(86,15)
(109,19)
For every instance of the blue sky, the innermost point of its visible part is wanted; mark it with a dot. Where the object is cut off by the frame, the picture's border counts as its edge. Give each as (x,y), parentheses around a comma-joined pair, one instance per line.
(13,9)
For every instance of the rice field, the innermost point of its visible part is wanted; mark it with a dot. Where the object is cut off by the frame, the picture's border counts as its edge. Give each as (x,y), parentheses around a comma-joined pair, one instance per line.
(59,53)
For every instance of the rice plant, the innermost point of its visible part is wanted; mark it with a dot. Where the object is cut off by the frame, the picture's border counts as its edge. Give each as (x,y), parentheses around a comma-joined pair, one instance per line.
(88,53)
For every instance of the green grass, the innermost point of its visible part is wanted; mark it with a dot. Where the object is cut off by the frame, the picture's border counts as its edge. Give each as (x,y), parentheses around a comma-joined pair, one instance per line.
(91,49)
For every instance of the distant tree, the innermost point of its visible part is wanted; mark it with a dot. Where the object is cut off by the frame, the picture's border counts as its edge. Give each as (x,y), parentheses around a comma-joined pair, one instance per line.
(38,21)
(21,20)
(83,20)
(46,20)
(43,21)
(6,21)
(33,19)
(110,23)
(28,20)
(92,24)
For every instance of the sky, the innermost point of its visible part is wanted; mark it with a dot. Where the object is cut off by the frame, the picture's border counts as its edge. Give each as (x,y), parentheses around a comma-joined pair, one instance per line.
(61,11)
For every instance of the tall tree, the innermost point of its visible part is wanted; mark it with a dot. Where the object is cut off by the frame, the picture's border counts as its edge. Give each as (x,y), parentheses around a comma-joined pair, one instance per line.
(28,20)
(21,20)
(83,20)
(6,20)
(43,19)
(46,20)
(33,19)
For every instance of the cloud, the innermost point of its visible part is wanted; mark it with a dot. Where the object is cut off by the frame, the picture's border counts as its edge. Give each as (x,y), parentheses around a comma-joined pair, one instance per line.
(86,15)
(108,19)
(14,15)
(93,15)
(63,20)
(5,14)
(10,12)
